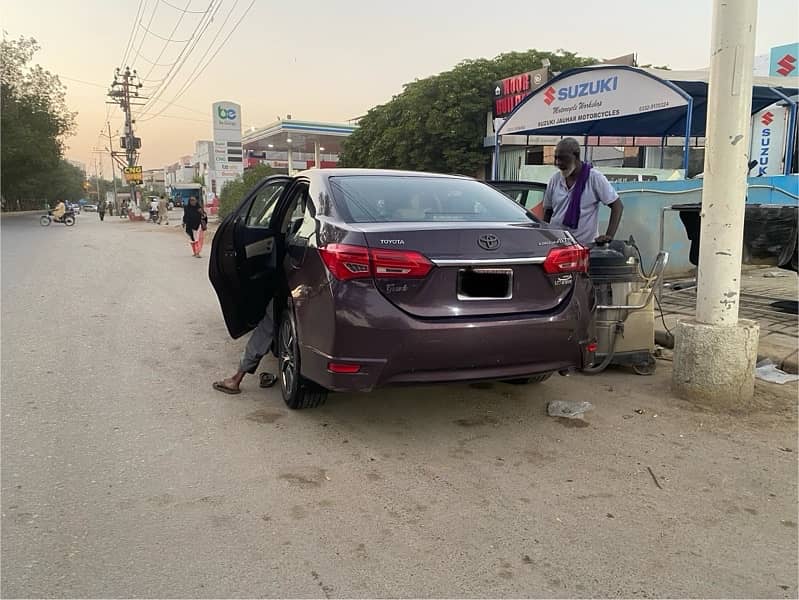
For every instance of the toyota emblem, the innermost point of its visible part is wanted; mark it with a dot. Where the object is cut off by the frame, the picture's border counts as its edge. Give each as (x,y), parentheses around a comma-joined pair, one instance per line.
(488,241)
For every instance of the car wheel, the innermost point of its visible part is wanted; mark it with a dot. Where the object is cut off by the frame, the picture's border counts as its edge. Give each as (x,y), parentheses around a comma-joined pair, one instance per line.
(530,380)
(297,392)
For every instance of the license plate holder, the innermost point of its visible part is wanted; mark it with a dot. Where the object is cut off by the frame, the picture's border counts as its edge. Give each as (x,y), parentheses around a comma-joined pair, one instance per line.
(485,284)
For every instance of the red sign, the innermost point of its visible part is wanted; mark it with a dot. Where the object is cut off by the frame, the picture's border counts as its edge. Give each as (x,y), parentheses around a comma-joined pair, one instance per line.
(786,64)
(509,92)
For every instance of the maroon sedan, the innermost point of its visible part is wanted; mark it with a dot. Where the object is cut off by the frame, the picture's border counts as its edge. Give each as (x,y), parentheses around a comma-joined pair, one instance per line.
(391,277)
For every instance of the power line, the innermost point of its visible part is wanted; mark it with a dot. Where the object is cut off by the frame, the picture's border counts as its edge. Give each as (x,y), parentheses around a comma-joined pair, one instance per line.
(132,32)
(208,49)
(174,29)
(100,85)
(108,107)
(181,60)
(144,34)
(167,40)
(189,83)
(196,35)
(190,12)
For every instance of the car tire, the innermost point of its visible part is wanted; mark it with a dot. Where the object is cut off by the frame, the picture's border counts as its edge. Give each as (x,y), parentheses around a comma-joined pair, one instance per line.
(298,392)
(530,380)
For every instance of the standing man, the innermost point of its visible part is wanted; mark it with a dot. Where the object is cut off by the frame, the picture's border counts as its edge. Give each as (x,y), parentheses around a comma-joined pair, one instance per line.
(101,209)
(574,194)
(163,211)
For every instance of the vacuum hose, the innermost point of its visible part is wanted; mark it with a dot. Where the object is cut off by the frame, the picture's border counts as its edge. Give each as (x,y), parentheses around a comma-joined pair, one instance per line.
(609,357)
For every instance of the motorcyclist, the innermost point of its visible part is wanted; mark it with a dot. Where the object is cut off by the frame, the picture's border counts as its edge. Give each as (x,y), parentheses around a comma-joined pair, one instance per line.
(58,212)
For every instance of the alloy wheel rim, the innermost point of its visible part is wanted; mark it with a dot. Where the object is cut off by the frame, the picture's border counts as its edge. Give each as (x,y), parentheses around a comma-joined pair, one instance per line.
(287,361)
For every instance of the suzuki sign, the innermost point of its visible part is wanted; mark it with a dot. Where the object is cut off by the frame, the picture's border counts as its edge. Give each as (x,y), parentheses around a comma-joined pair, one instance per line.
(768,140)
(592,95)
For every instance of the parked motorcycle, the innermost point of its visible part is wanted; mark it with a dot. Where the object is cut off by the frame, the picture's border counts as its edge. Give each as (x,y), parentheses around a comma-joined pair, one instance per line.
(68,219)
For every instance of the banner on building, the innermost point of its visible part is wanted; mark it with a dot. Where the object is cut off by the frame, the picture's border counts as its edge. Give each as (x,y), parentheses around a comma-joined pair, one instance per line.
(769,128)
(592,95)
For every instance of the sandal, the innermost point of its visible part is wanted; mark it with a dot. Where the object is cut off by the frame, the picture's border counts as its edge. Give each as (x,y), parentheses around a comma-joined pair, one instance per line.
(267,380)
(221,387)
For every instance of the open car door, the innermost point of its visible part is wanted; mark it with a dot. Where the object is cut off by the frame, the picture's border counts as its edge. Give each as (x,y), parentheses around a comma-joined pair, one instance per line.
(243,263)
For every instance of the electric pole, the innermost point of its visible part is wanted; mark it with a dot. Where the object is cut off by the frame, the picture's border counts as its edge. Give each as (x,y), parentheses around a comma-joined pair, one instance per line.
(715,354)
(114,160)
(125,92)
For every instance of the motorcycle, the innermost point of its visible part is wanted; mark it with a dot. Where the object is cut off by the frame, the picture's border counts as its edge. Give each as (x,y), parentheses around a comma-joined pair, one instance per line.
(68,219)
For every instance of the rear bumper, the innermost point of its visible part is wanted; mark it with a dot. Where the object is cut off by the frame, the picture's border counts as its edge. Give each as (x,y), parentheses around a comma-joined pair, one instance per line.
(395,348)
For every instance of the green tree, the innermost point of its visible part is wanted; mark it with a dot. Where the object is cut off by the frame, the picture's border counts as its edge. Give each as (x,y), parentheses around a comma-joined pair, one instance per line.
(235,190)
(438,123)
(35,121)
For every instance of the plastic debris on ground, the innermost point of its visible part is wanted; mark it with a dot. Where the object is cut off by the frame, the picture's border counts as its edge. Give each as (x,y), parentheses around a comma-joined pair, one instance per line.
(571,409)
(775,274)
(768,371)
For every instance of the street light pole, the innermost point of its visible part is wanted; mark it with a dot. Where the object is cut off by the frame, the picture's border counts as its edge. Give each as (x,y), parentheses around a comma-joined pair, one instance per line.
(715,354)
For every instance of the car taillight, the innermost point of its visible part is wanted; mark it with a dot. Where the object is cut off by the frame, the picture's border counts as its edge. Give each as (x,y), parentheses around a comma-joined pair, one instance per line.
(568,259)
(354,262)
(399,263)
(346,262)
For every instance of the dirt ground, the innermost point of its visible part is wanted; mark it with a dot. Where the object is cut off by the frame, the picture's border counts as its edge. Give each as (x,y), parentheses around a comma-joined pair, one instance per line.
(137,479)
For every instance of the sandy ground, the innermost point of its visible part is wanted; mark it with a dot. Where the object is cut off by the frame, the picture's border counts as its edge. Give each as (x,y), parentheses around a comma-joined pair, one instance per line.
(125,474)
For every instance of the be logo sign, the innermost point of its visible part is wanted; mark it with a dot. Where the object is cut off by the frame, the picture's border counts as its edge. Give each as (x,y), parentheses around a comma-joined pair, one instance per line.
(226,113)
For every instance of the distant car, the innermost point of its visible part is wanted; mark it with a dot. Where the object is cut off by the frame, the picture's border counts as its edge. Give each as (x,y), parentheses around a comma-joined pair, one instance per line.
(90,207)
(392,277)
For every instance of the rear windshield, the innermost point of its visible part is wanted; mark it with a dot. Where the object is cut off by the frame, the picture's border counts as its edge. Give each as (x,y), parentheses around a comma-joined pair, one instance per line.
(400,199)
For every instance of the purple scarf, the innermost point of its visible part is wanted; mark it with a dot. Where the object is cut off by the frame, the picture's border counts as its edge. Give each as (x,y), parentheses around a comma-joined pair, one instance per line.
(572,217)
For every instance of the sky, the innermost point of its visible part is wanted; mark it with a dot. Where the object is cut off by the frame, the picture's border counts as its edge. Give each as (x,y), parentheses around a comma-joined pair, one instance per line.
(325,60)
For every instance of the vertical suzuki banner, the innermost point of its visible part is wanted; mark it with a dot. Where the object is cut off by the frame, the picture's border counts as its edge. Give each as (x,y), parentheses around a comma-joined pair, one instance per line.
(228,159)
(769,127)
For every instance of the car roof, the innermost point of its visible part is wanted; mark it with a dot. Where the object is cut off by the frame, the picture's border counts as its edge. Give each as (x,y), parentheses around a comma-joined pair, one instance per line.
(344,172)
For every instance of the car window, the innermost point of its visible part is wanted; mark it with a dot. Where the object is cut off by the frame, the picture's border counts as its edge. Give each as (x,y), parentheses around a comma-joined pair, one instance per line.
(397,199)
(264,204)
(308,226)
(295,212)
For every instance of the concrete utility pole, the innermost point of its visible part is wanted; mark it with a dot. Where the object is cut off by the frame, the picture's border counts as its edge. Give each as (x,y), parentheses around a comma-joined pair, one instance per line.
(715,354)
(125,92)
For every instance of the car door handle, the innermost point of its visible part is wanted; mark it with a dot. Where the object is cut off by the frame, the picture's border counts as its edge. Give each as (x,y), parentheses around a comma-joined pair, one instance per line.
(260,247)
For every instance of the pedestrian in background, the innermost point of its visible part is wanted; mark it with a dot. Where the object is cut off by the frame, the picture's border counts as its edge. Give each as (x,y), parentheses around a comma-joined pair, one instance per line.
(101,210)
(194,219)
(163,211)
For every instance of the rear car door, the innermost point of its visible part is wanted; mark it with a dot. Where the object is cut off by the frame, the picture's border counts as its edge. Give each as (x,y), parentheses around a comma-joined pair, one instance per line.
(244,262)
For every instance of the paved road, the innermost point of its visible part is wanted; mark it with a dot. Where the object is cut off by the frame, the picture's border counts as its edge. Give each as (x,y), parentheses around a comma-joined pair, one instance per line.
(125,474)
